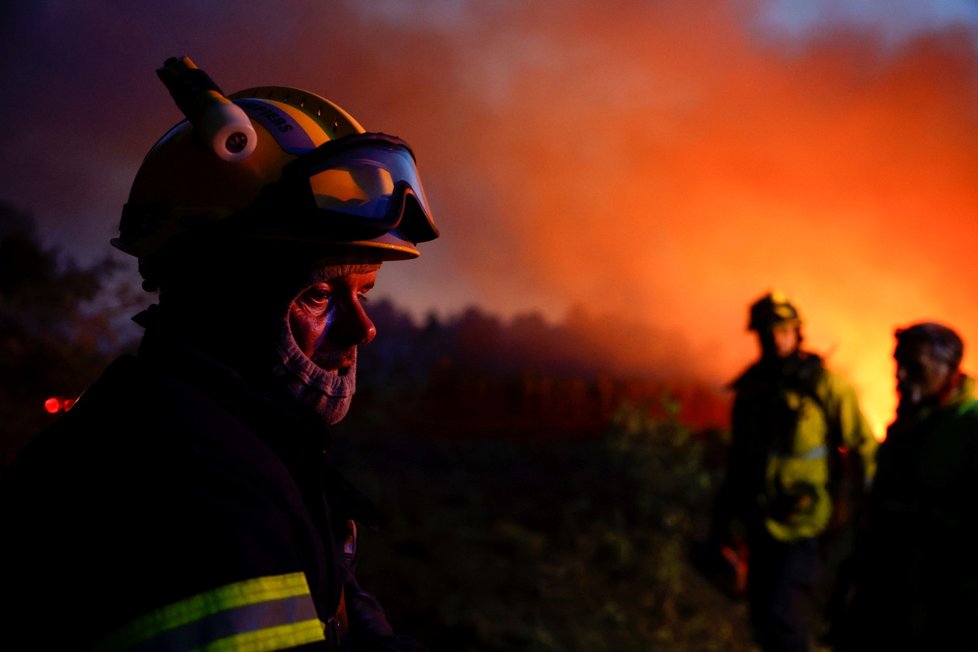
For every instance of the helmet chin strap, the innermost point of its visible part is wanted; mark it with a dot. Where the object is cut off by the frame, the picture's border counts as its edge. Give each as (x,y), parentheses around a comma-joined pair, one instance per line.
(307,386)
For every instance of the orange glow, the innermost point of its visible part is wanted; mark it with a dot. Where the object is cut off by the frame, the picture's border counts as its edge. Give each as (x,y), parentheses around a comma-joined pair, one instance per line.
(672,166)
(657,165)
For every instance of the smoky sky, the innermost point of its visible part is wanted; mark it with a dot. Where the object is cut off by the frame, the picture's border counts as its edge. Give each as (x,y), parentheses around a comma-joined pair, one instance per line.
(658,165)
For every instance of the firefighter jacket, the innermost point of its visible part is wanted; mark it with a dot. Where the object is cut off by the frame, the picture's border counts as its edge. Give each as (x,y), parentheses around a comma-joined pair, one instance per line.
(799,445)
(174,509)
(917,586)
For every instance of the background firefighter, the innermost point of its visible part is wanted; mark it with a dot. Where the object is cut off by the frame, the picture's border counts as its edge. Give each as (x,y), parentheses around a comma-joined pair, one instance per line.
(917,581)
(800,454)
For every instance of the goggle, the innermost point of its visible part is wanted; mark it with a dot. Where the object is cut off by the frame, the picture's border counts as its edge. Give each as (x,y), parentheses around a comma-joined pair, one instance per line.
(356,187)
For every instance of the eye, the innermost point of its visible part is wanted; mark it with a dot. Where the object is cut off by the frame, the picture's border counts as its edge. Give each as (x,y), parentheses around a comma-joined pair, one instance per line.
(316,298)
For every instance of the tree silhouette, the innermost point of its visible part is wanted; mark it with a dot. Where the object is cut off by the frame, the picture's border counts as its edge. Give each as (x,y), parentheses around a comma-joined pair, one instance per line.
(52,342)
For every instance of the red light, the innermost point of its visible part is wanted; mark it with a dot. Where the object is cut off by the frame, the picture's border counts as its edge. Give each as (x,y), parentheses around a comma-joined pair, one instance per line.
(57,404)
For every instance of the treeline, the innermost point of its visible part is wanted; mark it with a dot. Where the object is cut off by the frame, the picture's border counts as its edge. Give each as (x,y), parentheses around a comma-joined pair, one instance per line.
(524,376)
(57,327)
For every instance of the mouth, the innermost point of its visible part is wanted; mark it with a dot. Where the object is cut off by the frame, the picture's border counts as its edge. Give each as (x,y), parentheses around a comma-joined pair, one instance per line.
(337,363)
(909,393)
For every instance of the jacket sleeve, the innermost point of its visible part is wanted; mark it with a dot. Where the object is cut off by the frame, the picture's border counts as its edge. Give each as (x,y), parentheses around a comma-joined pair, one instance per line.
(856,434)
(369,627)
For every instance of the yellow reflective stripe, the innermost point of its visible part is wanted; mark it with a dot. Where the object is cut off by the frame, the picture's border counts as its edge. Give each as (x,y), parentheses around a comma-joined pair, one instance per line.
(271,638)
(225,598)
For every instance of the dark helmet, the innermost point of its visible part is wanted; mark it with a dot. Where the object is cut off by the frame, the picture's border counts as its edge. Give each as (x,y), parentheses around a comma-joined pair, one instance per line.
(772,309)
(945,344)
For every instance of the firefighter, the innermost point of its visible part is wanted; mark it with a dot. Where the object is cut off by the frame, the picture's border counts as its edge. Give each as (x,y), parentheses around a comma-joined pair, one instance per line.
(917,586)
(796,433)
(188,499)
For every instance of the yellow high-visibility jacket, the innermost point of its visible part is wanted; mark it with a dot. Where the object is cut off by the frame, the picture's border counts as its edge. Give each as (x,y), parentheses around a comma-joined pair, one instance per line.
(799,443)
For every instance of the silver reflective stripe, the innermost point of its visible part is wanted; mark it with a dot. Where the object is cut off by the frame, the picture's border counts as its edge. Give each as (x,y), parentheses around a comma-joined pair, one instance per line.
(811,454)
(265,613)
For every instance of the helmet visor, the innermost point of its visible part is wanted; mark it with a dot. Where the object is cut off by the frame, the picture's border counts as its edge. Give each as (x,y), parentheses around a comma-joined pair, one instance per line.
(365,183)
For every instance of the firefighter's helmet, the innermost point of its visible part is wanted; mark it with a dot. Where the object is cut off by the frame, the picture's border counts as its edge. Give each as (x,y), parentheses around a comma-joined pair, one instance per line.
(279,163)
(944,342)
(772,309)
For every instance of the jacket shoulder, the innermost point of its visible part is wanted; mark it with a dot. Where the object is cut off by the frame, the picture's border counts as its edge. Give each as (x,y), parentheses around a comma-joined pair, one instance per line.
(968,412)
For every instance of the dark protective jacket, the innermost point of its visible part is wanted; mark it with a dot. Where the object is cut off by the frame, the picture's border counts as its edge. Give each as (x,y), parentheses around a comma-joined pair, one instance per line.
(790,419)
(172,508)
(917,581)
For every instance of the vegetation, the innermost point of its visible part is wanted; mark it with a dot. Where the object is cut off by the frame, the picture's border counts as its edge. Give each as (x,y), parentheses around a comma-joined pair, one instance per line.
(544,544)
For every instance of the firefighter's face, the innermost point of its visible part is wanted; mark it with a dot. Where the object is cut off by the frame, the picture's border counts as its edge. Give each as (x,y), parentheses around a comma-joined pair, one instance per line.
(781,340)
(920,374)
(329,322)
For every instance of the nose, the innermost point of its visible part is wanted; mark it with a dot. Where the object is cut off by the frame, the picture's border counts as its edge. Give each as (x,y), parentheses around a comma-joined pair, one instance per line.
(350,326)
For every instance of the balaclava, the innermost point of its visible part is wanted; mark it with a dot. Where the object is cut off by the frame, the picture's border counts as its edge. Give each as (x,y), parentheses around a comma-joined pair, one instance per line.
(302,382)
(233,305)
